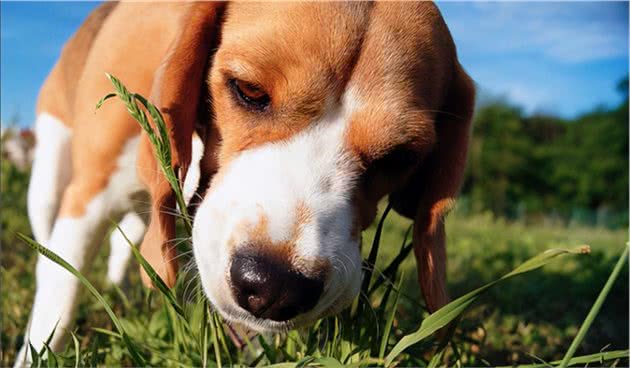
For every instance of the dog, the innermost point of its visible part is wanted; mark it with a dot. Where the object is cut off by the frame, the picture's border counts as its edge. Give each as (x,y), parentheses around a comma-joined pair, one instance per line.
(307,115)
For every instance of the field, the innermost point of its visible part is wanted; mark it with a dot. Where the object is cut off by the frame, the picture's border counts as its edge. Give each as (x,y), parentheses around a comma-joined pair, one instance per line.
(528,319)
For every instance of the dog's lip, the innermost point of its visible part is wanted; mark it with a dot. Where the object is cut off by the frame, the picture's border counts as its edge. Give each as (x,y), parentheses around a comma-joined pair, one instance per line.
(257,324)
(236,315)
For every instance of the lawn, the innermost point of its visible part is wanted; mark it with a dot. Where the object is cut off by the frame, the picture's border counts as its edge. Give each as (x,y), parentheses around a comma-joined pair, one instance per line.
(529,318)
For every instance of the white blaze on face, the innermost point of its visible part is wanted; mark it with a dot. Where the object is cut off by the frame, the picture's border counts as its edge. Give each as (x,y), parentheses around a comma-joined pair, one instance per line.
(312,169)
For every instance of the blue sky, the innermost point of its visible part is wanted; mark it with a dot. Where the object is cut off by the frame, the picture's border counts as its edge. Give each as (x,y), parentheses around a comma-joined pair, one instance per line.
(563,58)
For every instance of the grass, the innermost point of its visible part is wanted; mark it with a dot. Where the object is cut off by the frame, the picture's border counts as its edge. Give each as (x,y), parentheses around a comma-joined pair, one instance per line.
(530,319)
(513,323)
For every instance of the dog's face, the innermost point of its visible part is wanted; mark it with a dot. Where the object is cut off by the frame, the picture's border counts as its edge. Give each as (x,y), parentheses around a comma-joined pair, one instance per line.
(318,110)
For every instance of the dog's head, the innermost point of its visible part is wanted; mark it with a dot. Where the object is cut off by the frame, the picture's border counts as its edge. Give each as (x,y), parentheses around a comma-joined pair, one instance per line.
(310,113)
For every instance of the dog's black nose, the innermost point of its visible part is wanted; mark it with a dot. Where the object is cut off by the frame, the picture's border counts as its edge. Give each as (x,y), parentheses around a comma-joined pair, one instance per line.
(271,289)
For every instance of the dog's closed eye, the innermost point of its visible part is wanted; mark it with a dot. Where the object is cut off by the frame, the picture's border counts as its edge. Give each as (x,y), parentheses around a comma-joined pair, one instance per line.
(249,95)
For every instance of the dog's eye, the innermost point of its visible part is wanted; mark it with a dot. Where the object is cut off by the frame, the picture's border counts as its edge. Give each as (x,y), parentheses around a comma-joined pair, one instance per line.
(249,95)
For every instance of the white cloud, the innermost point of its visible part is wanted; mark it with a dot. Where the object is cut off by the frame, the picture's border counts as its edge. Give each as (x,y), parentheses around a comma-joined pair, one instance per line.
(560,57)
(566,32)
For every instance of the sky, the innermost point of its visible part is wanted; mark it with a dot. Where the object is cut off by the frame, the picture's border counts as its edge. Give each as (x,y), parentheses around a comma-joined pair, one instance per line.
(560,58)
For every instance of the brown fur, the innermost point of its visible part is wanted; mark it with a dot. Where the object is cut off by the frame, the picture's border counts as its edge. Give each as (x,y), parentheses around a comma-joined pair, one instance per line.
(65,75)
(284,251)
(177,93)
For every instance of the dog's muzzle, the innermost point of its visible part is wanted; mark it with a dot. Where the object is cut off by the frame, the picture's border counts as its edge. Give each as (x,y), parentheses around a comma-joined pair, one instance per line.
(269,288)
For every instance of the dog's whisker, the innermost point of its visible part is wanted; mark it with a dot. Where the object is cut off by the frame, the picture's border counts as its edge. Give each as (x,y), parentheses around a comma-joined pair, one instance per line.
(197,195)
(193,281)
(366,301)
(178,241)
(180,255)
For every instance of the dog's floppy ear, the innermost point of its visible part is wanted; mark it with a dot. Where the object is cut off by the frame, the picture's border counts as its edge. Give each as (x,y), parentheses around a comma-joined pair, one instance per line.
(431,190)
(177,92)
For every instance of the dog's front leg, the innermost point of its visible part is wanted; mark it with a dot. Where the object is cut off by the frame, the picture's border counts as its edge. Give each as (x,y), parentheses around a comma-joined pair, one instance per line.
(133,226)
(75,239)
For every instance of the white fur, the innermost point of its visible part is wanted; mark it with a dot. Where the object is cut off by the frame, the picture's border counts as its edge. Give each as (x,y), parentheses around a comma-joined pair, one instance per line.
(76,240)
(133,226)
(194,173)
(51,171)
(312,168)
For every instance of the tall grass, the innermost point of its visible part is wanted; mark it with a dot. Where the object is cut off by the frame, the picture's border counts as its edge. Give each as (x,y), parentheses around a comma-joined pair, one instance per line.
(191,333)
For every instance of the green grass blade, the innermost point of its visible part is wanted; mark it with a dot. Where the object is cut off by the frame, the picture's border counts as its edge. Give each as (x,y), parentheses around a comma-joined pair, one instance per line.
(581,360)
(51,357)
(599,357)
(281,365)
(436,359)
(106,332)
(215,341)
(48,339)
(367,362)
(452,310)
(77,347)
(122,296)
(128,100)
(135,355)
(160,140)
(165,157)
(269,352)
(94,353)
(102,100)
(327,362)
(390,319)
(222,339)
(204,331)
(155,278)
(590,317)
(371,261)
(391,268)
(304,362)
(34,355)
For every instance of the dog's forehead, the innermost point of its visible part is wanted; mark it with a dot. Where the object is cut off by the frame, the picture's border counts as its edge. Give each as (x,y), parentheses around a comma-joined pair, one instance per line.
(290,37)
(300,25)
(329,38)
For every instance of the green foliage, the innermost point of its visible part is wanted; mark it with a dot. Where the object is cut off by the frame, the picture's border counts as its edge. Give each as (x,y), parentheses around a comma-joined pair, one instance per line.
(16,267)
(13,183)
(523,166)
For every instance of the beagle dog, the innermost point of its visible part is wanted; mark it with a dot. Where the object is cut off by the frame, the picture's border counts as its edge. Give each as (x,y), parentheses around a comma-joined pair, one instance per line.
(307,114)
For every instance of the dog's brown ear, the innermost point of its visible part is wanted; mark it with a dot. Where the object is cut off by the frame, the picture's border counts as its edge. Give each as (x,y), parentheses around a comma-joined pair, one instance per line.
(431,190)
(177,92)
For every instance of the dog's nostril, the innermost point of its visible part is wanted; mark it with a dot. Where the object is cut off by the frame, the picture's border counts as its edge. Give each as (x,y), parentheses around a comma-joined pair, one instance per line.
(270,289)
(256,304)
(253,283)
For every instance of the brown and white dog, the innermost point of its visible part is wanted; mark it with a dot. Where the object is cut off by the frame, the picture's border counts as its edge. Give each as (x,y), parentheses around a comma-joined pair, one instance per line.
(307,113)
